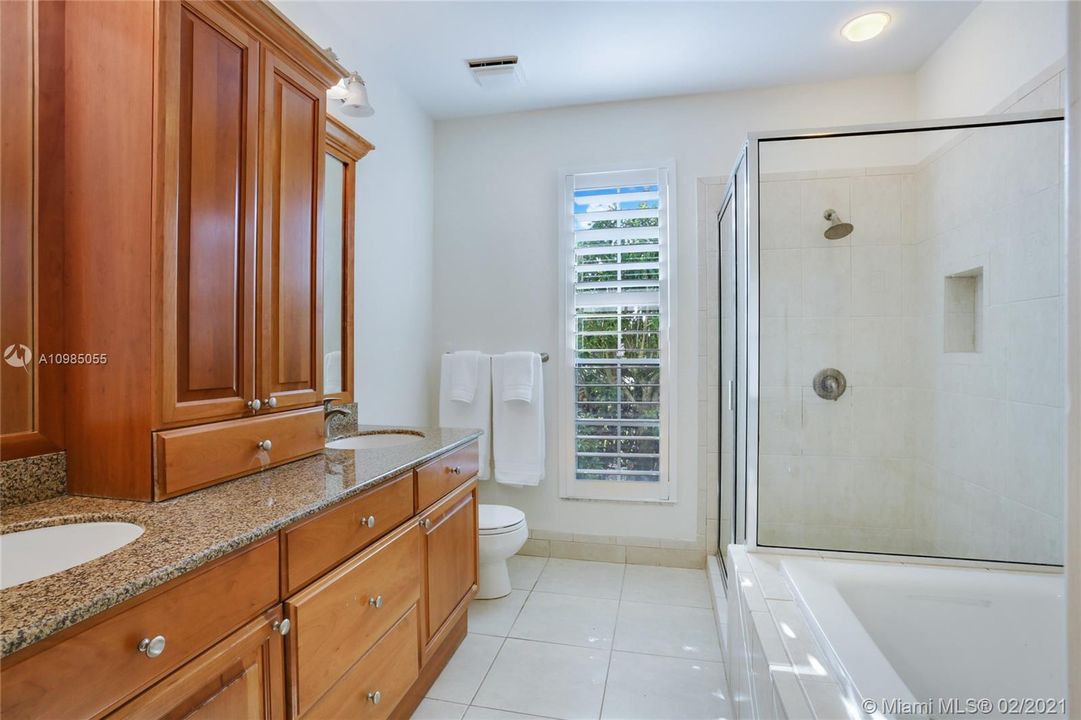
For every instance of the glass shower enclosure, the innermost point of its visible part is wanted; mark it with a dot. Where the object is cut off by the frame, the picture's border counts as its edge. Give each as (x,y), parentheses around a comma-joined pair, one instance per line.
(890,333)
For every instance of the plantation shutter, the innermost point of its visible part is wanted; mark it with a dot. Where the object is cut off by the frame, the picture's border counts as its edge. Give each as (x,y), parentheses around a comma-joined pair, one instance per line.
(618,334)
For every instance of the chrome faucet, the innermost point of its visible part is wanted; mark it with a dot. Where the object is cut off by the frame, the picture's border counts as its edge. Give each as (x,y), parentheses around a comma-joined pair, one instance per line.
(328,413)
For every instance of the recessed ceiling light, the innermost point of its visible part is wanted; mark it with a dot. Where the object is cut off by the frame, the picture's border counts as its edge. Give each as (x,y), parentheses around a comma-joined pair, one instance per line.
(866,26)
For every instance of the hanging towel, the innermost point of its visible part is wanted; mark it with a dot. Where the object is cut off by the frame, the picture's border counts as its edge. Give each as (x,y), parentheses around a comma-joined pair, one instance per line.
(474,414)
(464,369)
(517,427)
(332,371)
(518,375)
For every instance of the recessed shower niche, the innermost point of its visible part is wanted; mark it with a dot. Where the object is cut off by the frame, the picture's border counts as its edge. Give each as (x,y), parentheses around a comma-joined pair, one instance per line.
(962,312)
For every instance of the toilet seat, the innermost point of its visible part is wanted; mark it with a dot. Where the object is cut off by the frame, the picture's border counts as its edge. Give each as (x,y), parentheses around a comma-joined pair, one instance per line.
(499,519)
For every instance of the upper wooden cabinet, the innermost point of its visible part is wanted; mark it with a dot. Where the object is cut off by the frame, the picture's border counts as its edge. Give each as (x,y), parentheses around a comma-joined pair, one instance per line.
(193,136)
(209,249)
(290,299)
(31,236)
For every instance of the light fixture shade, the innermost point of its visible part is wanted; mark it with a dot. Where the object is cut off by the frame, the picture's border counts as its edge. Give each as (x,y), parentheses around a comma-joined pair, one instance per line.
(356,102)
(339,92)
(865,27)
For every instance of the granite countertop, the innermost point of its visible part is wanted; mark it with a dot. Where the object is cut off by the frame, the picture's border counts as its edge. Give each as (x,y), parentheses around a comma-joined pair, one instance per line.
(189,531)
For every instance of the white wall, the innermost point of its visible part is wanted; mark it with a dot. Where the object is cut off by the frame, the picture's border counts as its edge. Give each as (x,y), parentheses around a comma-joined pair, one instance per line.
(393,312)
(997,49)
(496,241)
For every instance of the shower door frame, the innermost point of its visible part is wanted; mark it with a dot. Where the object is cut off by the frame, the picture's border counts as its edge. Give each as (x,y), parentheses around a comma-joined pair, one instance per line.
(752,277)
(734,197)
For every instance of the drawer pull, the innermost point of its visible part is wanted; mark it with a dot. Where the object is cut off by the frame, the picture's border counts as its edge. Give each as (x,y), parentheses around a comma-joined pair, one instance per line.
(282,626)
(271,402)
(456,470)
(265,445)
(254,405)
(152,647)
(376,602)
(375,697)
(368,522)
(426,523)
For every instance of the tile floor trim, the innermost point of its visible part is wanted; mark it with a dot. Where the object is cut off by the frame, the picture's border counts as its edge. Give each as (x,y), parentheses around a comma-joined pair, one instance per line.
(632,551)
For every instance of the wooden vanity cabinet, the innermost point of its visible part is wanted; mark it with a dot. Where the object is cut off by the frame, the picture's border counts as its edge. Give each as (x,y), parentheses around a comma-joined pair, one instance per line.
(91,668)
(450,563)
(193,136)
(377,616)
(240,677)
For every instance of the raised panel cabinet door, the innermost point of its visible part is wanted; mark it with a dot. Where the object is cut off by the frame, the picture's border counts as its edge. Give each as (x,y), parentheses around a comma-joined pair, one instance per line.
(450,558)
(209,246)
(243,676)
(31,237)
(290,249)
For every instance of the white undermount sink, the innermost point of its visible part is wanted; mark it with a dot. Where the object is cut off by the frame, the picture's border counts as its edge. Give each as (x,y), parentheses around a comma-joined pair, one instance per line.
(31,554)
(377,440)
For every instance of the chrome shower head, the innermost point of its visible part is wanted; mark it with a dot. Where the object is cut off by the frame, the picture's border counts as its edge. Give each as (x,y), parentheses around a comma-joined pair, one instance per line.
(837,229)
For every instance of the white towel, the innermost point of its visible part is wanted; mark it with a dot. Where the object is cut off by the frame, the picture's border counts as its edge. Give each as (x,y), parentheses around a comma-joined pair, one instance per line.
(518,428)
(464,368)
(518,376)
(475,414)
(332,371)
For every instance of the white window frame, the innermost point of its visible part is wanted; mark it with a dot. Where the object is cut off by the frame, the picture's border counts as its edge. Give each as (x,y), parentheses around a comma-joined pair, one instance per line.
(570,487)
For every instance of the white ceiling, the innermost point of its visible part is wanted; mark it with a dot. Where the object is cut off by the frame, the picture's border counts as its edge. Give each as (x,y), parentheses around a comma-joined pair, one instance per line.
(584,52)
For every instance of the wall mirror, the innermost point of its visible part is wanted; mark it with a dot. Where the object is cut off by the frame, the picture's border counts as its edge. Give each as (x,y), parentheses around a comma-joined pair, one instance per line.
(344,148)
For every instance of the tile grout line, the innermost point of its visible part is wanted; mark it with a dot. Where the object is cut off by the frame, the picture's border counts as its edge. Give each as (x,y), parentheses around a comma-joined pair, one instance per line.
(486,673)
(611,650)
(502,643)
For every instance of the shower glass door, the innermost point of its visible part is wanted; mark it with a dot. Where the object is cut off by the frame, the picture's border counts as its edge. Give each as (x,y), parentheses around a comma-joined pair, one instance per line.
(911,353)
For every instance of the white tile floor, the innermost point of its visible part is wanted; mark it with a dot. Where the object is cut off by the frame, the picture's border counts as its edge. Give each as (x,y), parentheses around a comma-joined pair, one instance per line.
(578,640)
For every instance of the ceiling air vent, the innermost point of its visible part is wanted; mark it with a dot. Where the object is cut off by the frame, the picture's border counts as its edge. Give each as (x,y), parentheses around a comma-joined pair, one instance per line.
(496,72)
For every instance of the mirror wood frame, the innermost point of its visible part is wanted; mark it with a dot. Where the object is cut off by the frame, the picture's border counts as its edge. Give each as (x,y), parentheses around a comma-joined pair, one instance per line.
(349,148)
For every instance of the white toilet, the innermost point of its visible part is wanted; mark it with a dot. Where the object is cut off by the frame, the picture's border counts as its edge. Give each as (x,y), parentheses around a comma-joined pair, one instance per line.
(503,532)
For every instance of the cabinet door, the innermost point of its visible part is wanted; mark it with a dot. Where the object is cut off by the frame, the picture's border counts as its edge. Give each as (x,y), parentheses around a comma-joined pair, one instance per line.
(243,676)
(291,268)
(450,558)
(209,236)
(31,237)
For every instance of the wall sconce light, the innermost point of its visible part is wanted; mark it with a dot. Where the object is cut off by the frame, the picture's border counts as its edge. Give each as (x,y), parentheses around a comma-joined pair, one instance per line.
(351,93)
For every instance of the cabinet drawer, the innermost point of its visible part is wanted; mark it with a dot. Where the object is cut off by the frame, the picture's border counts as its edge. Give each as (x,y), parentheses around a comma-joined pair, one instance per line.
(241,677)
(90,671)
(338,618)
(445,473)
(190,458)
(321,542)
(389,669)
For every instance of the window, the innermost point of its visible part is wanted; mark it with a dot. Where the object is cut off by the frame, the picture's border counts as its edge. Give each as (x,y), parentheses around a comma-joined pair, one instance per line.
(617,390)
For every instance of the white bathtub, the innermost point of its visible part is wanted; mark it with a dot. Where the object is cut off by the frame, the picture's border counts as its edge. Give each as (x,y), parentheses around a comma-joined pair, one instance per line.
(918,633)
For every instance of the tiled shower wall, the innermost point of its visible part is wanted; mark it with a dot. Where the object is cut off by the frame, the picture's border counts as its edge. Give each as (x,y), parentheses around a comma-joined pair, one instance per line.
(949,438)
(835,474)
(986,425)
